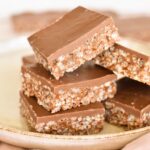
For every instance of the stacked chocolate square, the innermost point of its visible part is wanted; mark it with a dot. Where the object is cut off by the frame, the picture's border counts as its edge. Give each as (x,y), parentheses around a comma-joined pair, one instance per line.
(131,105)
(62,88)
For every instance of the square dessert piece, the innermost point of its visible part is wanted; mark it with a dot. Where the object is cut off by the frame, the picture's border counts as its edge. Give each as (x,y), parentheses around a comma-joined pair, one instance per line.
(77,37)
(87,119)
(88,84)
(134,64)
(131,105)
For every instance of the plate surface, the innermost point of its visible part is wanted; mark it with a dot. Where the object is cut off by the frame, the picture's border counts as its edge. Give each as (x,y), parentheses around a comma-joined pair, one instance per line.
(14,130)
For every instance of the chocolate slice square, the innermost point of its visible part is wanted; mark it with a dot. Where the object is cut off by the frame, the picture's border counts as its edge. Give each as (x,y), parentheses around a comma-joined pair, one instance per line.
(88,84)
(134,64)
(77,37)
(131,105)
(83,120)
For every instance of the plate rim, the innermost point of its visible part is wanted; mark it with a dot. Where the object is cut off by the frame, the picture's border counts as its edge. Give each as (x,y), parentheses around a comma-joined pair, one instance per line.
(74,137)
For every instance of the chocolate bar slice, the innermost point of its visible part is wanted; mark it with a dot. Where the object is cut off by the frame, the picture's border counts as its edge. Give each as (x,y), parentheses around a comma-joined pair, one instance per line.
(77,37)
(131,105)
(134,64)
(87,84)
(83,120)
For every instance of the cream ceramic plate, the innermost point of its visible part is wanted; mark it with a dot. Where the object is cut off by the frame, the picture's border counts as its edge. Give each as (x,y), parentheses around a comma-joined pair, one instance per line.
(13,128)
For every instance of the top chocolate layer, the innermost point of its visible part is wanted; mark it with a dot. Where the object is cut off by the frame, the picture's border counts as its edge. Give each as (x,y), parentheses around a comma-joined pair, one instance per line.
(133,95)
(39,114)
(71,30)
(137,52)
(85,76)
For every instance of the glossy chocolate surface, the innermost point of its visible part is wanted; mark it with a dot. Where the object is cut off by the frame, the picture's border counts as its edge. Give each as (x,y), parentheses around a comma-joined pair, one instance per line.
(133,96)
(68,33)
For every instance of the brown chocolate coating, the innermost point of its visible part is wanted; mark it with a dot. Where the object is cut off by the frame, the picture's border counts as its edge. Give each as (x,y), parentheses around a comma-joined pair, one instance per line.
(85,76)
(39,114)
(133,51)
(68,33)
(133,96)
